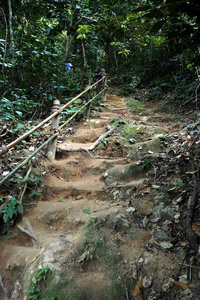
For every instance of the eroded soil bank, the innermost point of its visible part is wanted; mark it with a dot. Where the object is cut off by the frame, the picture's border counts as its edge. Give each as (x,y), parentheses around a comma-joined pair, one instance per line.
(111,221)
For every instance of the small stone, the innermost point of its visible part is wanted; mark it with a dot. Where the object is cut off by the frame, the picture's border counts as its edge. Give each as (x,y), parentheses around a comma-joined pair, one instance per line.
(161,236)
(163,213)
(130,209)
(78,222)
(183,278)
(141,260)
(146,283)
(166,245)
(154,186)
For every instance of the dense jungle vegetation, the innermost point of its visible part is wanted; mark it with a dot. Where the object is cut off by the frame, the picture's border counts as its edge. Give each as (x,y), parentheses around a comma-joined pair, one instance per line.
(151,44)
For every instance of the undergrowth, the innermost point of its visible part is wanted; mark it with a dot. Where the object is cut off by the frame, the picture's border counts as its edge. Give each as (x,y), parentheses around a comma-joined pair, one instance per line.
(135,106)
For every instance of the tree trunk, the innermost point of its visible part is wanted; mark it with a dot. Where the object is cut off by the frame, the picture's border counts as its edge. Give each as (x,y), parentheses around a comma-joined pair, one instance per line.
(12,45)
(84,55)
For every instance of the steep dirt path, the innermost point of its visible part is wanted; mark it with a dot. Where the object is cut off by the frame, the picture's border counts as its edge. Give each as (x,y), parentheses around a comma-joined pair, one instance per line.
(100,186)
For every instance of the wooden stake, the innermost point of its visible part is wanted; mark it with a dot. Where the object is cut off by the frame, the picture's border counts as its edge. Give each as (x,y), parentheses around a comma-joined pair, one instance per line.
(51,152)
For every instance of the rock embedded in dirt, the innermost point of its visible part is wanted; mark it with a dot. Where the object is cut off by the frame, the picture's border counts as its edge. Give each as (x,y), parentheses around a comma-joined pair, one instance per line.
(162,212)
(121,216)
(161,236)
(123,173)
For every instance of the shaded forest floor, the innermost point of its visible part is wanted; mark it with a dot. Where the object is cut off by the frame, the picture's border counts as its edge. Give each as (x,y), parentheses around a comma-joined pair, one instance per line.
(113,219)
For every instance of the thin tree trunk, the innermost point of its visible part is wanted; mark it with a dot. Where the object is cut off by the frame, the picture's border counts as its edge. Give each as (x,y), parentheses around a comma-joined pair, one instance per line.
(67,48)
(11,27)
(84,55)
(6,41)
(151,50)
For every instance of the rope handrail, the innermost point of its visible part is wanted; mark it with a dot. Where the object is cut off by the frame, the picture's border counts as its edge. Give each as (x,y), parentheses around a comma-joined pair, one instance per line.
(50,139)
(6,148)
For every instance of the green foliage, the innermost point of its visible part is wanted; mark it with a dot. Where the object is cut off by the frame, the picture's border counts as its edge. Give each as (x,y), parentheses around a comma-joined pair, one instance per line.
(163,140)
(194,127)
(135,106)
(39,284)
(82,30)
(12,208)
(151,45)
(93,243)
(34,195)
(119,287)
(147,163)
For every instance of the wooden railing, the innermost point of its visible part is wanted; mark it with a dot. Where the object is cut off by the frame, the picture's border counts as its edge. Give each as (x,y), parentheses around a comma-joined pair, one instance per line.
(55,128)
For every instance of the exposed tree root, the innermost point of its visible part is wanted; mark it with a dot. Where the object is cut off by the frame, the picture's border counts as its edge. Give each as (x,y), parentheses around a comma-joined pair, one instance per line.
(6,293)
(191,205)
(93,146)
(28,233)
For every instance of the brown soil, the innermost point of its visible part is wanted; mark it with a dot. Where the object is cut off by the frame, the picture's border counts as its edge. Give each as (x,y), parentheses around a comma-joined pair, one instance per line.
(76,182)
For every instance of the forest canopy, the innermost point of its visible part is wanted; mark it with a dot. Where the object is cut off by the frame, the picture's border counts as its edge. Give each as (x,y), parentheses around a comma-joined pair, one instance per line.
(152,44)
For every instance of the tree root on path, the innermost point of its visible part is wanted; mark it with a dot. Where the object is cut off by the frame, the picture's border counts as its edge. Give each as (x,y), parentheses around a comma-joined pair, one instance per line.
(28,233)
(6,293)
(191,204)
(92,147)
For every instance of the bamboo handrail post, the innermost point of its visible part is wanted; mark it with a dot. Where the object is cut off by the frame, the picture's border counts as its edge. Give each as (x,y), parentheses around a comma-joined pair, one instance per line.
(89,105)
(51,152)
(53,136)
(103,84)
(6,148)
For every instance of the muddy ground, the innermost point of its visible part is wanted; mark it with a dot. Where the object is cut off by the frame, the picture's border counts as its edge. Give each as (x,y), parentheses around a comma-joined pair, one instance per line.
(110,223)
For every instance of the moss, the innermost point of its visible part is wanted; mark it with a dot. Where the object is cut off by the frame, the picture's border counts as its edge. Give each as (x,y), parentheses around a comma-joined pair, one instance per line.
(135,106)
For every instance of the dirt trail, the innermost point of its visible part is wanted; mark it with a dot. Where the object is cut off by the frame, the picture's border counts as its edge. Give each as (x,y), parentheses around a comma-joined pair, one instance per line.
(99,185)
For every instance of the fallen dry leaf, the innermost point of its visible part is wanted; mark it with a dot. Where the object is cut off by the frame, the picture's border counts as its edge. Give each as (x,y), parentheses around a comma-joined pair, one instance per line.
(184,157)
(139,189)
(3,195)
(189,138)
(180,284)
(191,171)
(148,189)
(143,189)
(196,228)
(137,292)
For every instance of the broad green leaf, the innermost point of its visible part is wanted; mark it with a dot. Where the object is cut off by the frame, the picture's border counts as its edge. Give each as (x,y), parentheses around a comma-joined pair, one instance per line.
(63,199)
(19,112)
(78,101)
(10,212)
(86,211)
(180,182)
(20,209)
(5,218)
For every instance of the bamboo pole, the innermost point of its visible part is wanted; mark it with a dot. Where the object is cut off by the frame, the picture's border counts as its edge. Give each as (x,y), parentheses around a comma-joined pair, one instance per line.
(74,115)
(12,144)
(22,192)
(44,144)
(27,159)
